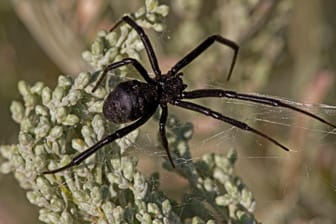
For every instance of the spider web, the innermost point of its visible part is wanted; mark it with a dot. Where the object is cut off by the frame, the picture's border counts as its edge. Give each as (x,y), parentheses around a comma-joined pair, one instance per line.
(259,161)
(261,164)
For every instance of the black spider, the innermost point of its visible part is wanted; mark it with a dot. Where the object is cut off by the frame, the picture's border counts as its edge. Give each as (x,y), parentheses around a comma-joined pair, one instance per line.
(137,101)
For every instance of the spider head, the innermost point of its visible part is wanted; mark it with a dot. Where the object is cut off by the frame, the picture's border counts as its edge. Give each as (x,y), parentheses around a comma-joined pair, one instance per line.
(172,86)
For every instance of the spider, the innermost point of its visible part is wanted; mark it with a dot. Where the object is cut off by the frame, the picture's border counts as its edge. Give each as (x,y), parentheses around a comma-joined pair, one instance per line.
(137,101)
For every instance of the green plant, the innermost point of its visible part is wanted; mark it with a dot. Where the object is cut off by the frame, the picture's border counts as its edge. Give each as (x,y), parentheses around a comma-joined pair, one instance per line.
(108,188)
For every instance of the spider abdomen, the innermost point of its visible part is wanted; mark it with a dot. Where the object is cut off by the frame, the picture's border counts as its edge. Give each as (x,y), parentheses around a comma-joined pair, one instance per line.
(129,101)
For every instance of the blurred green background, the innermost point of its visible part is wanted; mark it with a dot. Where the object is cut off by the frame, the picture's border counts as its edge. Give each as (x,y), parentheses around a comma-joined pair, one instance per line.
(287,50)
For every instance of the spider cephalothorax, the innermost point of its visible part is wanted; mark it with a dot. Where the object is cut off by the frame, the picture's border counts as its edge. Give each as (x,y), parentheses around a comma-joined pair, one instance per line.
(172,87)
(137,101)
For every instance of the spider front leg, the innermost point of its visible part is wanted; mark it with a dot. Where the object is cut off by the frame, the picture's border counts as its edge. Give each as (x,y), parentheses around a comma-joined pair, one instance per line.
(144,38)
(108,139)
(201,48)
(252,98)
(124,62)
(218,116)
(162,129)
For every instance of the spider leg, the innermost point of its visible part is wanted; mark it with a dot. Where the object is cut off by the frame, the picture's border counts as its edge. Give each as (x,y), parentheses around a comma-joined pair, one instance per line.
(201,48)
(108,139)
(218,116)
(148,46)
(252,98)
(124,62)
(163,120)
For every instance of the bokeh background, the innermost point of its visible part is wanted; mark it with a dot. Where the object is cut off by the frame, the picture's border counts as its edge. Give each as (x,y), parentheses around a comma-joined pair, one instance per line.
(287,50)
